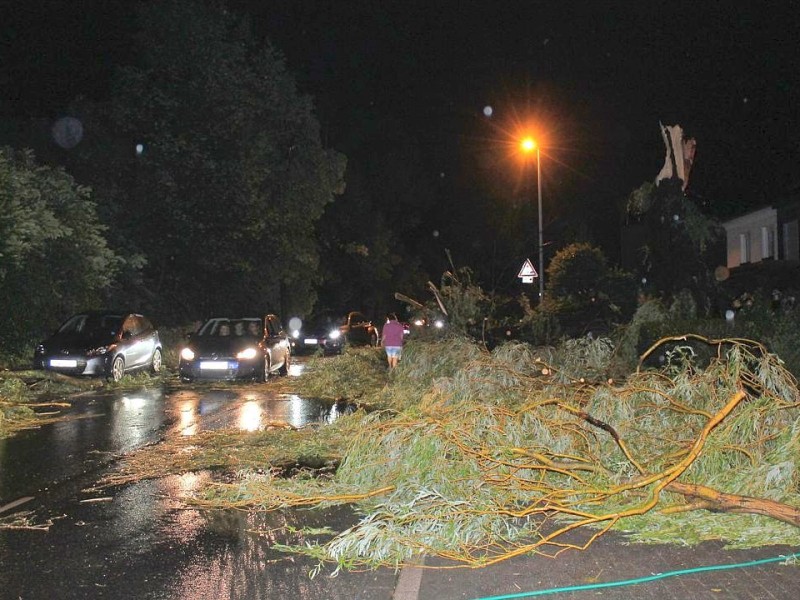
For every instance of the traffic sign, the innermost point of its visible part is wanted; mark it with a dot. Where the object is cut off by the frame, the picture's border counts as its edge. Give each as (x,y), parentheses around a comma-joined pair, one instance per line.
(527,272)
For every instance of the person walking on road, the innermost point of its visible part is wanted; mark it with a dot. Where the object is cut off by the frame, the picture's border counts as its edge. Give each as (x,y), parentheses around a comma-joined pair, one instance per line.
(392,339)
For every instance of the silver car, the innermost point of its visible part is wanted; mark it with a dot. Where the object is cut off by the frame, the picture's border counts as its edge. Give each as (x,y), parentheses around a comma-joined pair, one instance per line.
(106,344)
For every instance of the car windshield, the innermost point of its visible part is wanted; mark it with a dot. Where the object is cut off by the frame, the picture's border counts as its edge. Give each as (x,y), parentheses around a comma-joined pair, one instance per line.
(250,326)
(327,321)
(92,325)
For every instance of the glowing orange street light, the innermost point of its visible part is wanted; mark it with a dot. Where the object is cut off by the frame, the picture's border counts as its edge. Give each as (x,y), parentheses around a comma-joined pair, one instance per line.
(528,145)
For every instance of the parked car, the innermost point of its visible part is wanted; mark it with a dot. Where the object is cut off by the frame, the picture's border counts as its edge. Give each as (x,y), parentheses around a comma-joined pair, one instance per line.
(322,333)
(101,343)
(226,348)
(358,330)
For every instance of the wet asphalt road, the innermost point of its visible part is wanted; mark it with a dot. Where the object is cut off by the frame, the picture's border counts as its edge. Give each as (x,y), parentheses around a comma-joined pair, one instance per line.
(139,541)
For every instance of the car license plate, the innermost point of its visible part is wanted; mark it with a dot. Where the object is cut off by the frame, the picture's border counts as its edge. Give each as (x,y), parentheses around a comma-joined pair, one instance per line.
(310,340)
(216,365)
(59,362)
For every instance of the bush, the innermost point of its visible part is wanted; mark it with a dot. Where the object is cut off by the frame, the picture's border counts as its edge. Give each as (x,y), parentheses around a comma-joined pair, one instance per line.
(777,329)
(583,297)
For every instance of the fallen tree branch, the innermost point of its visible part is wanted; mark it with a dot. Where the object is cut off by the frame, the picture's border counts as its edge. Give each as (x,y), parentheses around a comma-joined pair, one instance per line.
(723,502)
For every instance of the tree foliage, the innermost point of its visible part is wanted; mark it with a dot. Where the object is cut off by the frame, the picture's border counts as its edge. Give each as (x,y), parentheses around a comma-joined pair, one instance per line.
(575,272)
(54,258)
(231,176)
(682,245)
(584,293)
(373,236)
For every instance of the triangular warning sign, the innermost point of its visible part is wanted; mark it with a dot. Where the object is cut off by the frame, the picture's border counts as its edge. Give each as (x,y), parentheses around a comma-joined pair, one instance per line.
(527,269)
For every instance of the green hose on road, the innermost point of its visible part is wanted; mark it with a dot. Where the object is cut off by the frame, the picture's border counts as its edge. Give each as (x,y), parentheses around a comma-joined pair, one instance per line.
(624,582)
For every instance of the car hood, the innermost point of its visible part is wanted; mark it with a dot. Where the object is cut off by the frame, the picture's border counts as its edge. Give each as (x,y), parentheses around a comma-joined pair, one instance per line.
(318,331)
(224,346)
(72,341)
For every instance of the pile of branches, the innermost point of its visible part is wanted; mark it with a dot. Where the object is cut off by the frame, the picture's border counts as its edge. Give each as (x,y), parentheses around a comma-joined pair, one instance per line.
(21,390)
(479,457)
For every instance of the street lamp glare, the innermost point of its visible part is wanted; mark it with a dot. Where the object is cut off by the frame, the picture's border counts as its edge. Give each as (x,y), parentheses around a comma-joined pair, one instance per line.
(528,144)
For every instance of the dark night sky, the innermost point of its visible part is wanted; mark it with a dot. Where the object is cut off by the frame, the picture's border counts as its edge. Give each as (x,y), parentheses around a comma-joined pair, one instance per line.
(597,77)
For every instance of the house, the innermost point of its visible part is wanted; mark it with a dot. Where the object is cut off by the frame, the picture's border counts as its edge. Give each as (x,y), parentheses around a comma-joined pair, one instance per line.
(768,233)
(763,252)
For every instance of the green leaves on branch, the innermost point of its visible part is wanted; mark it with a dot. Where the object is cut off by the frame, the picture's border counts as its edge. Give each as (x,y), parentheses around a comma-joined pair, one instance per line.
(53,254)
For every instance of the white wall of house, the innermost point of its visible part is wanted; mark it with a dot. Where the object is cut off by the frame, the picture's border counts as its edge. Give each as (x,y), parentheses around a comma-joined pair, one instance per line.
(752,237)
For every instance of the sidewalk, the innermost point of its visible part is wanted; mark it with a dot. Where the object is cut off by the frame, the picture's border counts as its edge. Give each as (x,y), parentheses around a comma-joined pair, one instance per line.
(609,559)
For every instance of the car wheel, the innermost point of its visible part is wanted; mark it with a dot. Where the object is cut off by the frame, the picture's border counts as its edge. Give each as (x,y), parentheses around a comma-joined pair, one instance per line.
(264,375)
(117,369)
(155,364)
(284,370)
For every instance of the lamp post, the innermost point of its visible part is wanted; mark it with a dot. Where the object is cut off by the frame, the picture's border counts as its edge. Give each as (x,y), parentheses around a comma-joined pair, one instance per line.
(528,146)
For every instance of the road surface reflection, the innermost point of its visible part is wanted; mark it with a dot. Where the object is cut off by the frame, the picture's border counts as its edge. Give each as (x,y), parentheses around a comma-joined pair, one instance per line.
(142,540)
(206,410)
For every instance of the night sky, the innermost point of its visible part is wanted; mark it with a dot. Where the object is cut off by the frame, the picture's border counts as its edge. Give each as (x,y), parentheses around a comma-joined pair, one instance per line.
(594,78)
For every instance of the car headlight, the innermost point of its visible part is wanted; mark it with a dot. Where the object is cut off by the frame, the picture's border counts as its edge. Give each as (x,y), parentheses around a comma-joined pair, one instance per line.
(247,353)
(296,333)
(39,349)
(99,351)
(335,334)
(438,324)
(187,354)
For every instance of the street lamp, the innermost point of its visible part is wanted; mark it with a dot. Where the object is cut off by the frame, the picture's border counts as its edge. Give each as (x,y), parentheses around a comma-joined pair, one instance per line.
(528,146)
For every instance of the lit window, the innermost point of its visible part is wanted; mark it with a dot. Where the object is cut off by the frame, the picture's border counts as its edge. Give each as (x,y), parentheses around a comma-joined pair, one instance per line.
(744,248)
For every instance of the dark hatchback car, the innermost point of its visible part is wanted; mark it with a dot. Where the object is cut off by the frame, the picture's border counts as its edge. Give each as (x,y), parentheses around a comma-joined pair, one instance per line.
(322,333)
(227,348)
(101,343)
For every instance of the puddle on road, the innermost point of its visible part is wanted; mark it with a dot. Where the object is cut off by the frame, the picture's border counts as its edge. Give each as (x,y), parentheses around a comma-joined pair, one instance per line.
(94,430)
(99,426)
(248,410)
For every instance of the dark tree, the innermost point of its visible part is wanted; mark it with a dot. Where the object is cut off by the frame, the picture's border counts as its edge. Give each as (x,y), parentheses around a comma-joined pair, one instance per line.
(679,247)
(377,235)
(222,174)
